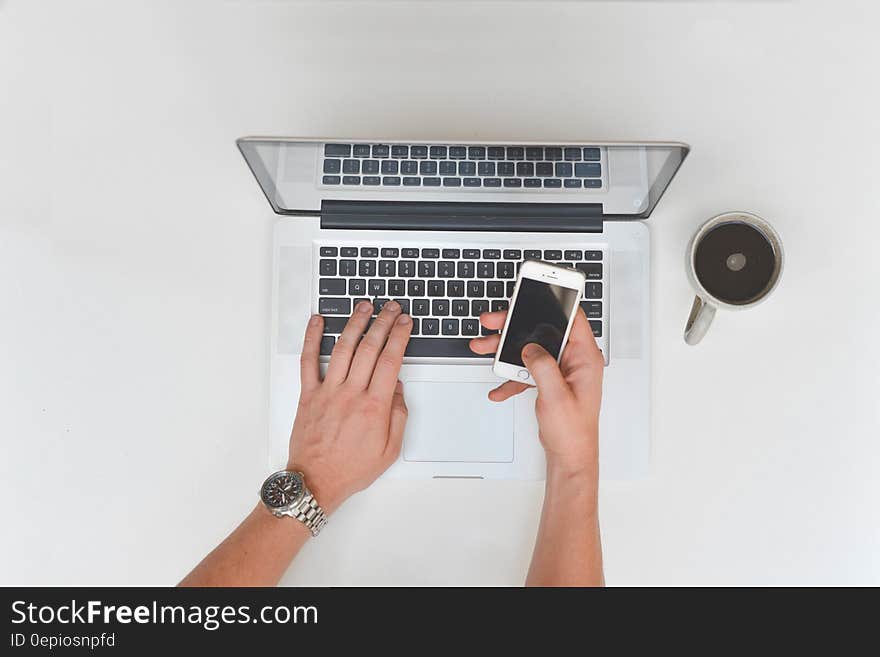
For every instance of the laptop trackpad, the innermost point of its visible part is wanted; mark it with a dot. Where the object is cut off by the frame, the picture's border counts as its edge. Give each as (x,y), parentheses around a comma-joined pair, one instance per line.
(455,422)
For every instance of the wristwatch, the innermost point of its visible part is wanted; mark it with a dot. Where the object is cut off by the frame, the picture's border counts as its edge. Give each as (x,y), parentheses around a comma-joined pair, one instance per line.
(285,494)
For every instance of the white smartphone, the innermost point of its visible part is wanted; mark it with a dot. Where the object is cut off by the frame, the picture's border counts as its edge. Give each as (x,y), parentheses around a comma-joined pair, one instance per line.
(542,310)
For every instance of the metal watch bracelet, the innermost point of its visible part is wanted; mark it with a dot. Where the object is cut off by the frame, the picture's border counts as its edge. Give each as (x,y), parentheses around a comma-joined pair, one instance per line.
(309,513)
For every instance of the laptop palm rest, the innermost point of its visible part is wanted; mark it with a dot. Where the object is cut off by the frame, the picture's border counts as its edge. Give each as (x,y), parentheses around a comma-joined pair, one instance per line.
(455,422)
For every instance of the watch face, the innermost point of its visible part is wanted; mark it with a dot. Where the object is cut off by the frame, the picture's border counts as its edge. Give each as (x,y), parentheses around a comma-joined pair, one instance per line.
(281,489)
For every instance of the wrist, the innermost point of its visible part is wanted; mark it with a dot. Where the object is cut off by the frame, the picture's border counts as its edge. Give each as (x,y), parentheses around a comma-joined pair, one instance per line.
(324,493)
(568,481)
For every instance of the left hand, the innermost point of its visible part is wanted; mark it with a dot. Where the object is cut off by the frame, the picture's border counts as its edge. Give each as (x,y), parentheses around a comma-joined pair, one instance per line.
(349,427)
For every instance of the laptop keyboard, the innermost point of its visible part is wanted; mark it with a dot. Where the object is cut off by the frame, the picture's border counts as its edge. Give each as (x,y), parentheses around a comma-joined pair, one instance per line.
(444,289)
(462,167)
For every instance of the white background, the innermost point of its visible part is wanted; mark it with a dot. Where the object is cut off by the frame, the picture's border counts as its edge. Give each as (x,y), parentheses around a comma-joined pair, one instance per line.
(135,276)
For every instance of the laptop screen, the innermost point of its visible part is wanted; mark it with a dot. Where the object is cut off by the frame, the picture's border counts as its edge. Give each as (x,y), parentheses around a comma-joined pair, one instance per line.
(614,180)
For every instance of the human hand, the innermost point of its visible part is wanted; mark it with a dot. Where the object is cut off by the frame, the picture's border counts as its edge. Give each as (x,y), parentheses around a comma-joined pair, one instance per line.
(349,427)
(569,394)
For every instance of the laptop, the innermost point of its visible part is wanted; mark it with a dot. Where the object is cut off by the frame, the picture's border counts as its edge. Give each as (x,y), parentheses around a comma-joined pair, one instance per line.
(442,228)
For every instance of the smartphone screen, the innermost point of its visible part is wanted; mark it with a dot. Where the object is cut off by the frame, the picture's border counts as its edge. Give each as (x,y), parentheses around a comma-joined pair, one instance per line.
(540,314)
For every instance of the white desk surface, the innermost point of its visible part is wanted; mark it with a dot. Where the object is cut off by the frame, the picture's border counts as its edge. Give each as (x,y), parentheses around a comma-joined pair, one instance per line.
(135,272)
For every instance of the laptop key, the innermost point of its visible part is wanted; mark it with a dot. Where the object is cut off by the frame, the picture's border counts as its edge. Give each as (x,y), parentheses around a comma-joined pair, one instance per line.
(331,180)
(351,166)
(572,182)
(445,269)
(347,268)
(376,287)
(592,183)
(592,154)
(404,305)
(367,268)
(378,304)
(390,167)
(455,288)
(588,169)
(574,254)
(532,254)
(361,150)
(486,168)
(436,288)
(492,254)
(327,267)
(593,290)
(552,254)
(553,153)
(415,326)
(592,270)
(348,251)
(532,182)
(495,152)
(460,307)
(332,166)
(337,150)
(430,326)
(534,153)
(467,168)
(572,153)
(472,254)
(391,181)
(512,182)
(479,306)
(406,268)
(486,270)
(327,343)
(410,253)
(331,286)
(328,251)
(592,255)
(515,153)
(465,269)
(470,327)
(351,180)
(506,169)
(492,182)
(525,169)
(447,347)
(388,252)
(400,151)
(415,288)
(592,309)
(495,289)
(472,182)
(477,152)
(500,304)
(430,253)
(396,288)
(597,328)
(412,181)
(544,169)
(476,288)
(510,286)
(440,307)
(370,166)
(438,152)
(371,180)
(420,307)
(505,270)
(451,253)
(552,183)
(450,327)
(512,254)
(563,169)
(357,287)
(452,182)
(457,152)
(428,168)
(369,252)
(334,325)
(427,269)
(381,150)
(418,151)
(409,168)
(333,306)
(431,182)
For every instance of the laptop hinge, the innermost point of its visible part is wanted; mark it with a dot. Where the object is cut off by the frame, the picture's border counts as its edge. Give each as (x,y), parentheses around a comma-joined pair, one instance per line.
(427,215)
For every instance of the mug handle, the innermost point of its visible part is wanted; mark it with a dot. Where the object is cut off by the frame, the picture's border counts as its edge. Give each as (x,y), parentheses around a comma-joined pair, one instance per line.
(698,321)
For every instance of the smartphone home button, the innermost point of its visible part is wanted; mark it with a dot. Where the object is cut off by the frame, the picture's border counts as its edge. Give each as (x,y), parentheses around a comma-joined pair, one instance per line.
(523,374)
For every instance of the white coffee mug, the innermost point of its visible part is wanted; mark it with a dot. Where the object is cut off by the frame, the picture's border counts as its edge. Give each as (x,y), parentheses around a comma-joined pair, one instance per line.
(734,261)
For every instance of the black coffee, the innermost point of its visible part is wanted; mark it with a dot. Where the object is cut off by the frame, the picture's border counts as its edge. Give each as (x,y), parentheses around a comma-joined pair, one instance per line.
(735,263)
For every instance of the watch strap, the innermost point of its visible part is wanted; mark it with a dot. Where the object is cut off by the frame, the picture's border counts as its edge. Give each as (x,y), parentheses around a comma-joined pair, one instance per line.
(310,513)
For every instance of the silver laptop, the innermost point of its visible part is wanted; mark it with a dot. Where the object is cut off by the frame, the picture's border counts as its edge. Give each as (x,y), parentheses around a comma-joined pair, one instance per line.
(442,228)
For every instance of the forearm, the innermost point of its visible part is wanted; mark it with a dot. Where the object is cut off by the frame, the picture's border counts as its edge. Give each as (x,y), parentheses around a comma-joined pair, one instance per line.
(568,550)
(256,554)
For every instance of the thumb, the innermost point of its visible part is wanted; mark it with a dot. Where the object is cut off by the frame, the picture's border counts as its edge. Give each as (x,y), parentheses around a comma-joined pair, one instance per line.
(399,414)
(544,370)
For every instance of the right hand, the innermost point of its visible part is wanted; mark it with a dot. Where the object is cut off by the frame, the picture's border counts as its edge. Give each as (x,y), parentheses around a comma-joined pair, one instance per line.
(569,394)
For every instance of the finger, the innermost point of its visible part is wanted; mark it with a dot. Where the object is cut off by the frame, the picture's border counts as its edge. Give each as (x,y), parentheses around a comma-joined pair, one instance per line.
(507,390)
(388,364)
(581,336)
(343,350)
(494,320)
(488,344)
(309,372)
(544,370)
(397,425)
(364,361)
